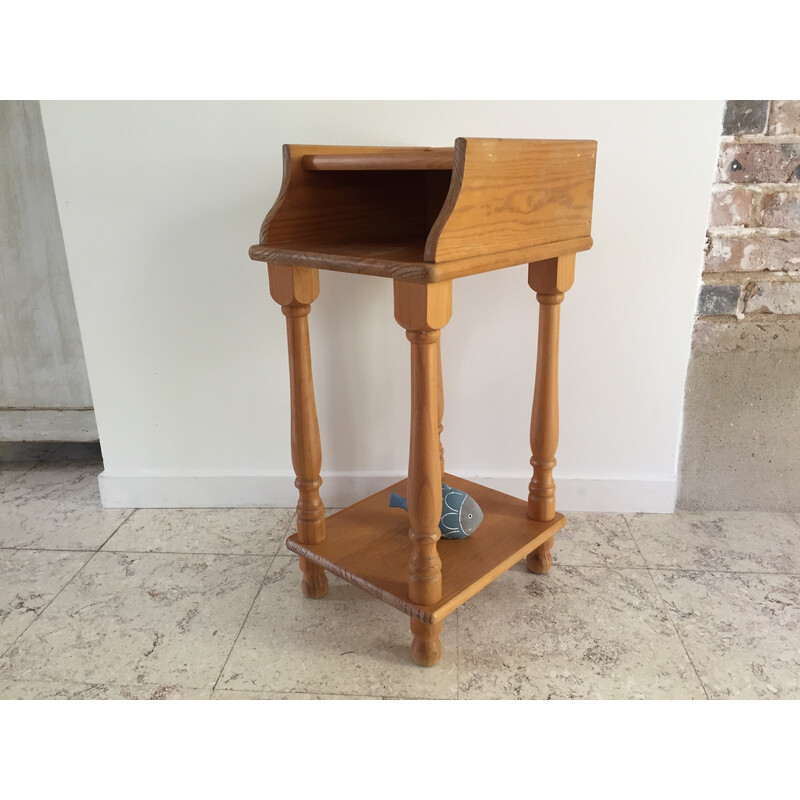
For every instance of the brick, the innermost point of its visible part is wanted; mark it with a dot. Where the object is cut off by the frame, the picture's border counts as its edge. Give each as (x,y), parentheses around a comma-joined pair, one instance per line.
(753,252)
(772,297)
(750,335)
(781,210)
(745,116)
(717,300)
(732,205)
(757,162)
(784,118)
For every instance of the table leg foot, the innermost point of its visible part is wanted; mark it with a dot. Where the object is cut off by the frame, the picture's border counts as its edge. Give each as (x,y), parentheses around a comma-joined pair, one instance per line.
(315,581)
(426,649)
(540,560)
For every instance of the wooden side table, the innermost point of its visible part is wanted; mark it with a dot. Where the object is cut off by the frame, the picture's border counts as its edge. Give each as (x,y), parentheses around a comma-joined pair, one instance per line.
(423,217)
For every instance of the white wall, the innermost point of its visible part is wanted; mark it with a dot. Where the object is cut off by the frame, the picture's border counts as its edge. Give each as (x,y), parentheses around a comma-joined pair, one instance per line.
(186,352)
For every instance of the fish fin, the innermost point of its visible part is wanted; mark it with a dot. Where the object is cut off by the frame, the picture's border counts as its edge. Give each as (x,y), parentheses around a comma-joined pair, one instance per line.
(395,501)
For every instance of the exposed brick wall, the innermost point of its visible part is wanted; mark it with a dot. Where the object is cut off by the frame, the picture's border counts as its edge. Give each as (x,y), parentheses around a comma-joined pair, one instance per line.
(752,261)
(741,432)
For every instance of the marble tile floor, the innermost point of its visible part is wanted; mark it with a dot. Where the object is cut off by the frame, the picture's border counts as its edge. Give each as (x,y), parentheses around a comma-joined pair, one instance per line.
(205,604)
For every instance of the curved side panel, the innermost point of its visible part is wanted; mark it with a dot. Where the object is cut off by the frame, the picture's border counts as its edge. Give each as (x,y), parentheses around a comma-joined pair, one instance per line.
(507,194)
(459,154)
(262,237)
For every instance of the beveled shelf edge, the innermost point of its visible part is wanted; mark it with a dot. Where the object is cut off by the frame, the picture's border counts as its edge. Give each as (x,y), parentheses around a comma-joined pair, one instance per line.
(428,614)
(556,525)
(415,271)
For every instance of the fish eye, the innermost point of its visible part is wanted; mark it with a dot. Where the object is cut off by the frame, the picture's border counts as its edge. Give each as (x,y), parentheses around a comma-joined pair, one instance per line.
(469,516)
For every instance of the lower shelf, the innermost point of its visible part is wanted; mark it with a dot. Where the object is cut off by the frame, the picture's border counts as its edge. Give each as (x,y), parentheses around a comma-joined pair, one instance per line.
(368,546)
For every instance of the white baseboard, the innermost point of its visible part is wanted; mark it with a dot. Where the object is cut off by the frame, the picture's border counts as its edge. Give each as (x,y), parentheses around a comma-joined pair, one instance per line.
(649,494)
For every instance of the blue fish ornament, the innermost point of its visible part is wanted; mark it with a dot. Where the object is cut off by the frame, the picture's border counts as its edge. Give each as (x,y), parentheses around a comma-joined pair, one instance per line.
(461,515)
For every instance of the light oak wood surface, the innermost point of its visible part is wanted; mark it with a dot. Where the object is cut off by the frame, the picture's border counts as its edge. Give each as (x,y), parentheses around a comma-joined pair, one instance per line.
(368,546)
(399,158)
(295,288)
(423,217)
(511,193)
(549,279)
(423,309)
(323,208)
(403,260)
(426,647)
(430,214)
(440,403)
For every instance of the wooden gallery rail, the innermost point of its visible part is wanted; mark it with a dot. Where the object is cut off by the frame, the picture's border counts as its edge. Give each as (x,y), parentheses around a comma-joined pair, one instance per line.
(423,217)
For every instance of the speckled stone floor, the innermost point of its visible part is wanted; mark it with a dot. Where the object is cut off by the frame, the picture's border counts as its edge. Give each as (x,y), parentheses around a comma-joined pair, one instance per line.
(205,604)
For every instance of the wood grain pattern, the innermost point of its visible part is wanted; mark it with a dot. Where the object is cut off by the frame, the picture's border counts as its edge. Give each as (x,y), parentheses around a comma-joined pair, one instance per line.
(540,561)
(549,279)
(403,260)
(426,649)
(368,546)
(440,403)
(419,307)
(295,288)
(424,475)
(424,216)
(398,213)
(349,206)
(423,310)
(398,158)
(512,193)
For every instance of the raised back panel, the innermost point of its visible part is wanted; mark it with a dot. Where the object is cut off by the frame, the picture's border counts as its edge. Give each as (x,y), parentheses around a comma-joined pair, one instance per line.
(508,194)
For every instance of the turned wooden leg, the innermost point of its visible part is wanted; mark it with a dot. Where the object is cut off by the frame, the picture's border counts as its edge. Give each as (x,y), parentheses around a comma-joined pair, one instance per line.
(440,398)
(549,279)
(541,559)
(423,309)
(426,649)
(295,288)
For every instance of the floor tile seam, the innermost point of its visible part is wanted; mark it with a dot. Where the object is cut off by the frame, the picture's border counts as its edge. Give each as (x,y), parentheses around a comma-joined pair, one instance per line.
(124,522)
(689,569)
(185,553)
(58,593)
(717,513)
(95,553)
(678,634)
(244,622)
(20,476)
(46,550)
(635,540)
(723,571)
(337,694)
(92,554)
(558,563)
(68,682)
(458,656)
(283,537)
(114,532)
(273,691)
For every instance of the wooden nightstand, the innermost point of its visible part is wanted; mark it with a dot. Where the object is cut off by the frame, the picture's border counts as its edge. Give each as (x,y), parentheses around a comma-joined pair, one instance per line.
(423,217)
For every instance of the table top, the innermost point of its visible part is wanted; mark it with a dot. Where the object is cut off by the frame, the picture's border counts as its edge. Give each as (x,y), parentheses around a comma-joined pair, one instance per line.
(430,214)
(404,262)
